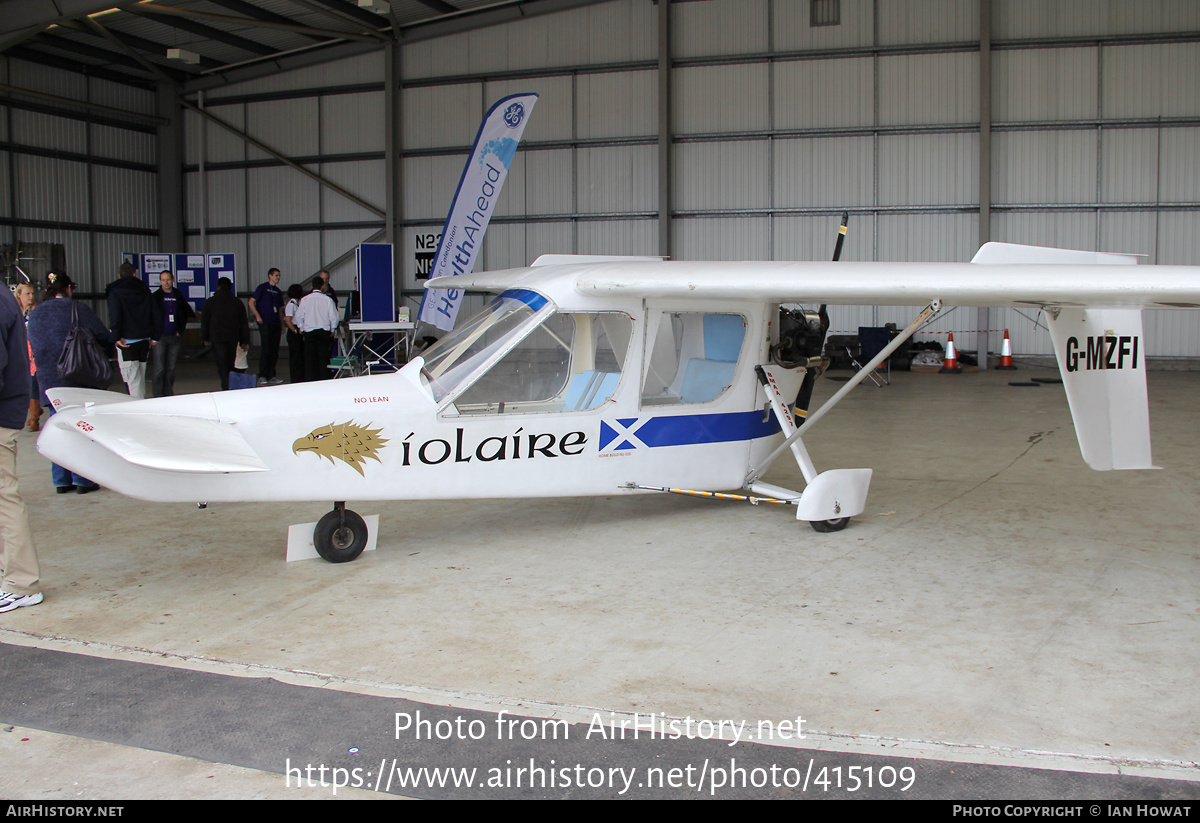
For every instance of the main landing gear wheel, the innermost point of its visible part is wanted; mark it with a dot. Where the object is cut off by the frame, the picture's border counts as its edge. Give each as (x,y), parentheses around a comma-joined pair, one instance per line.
(835,525)
(341,535)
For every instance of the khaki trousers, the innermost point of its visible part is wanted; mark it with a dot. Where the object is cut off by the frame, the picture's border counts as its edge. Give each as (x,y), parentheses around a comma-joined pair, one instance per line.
(18,559)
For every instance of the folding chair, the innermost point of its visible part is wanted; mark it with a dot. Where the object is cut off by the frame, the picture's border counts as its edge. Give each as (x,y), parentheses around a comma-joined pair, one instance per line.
(871,341)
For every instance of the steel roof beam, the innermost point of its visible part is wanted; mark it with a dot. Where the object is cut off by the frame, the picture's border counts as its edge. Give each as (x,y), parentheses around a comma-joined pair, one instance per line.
(484,16)
(43,58)
(200,29)
(350,10)
(251,10)
(450,24)
(439,6)
(56,103)
(288,62)
(320,34)
(73,47)
(21,21)
(157,71)
(132,41)
(261,146)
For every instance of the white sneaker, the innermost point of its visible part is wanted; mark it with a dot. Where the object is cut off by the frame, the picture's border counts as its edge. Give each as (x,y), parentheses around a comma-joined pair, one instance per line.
(10,601)
(274,381)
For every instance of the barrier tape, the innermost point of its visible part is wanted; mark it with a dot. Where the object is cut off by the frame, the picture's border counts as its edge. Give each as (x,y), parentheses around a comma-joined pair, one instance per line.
(954,331)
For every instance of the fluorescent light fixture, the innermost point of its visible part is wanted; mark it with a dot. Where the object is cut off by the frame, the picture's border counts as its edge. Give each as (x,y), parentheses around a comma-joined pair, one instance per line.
(377,6)
(183,55)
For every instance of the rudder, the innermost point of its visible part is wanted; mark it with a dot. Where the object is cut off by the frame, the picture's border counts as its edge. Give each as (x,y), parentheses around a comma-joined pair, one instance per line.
(1102,359)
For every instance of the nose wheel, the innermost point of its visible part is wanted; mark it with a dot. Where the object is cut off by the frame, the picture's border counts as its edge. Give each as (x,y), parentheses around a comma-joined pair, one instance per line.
(835,525)
(341,535)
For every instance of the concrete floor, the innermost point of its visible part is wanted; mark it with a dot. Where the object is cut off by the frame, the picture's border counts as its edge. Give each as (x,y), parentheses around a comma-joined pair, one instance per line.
(998,602)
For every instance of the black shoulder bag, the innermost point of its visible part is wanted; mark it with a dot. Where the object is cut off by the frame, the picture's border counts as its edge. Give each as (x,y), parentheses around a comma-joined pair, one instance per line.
(83,359)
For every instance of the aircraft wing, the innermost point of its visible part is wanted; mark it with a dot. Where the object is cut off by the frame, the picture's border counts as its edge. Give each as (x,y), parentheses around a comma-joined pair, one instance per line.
(485,281)
(1093,303)
(1001,274)
(170,442)
(909,284)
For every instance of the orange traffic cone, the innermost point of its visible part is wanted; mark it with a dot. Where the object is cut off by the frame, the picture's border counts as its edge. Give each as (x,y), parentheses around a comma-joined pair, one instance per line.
(950,366)
(1006,363)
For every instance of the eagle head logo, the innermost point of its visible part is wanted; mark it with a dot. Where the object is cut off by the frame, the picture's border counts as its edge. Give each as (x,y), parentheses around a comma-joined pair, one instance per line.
(348,442)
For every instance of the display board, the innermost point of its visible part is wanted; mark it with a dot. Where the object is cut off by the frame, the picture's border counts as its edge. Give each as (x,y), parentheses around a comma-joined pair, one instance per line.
(196,275)
(376,284)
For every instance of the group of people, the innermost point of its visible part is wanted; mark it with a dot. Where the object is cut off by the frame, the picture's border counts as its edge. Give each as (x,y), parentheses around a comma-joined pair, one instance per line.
(31,342)
(147,328)
(311,320)
(144,327)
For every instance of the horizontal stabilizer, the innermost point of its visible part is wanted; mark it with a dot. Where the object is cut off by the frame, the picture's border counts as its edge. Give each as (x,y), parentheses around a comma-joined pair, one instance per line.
(1002,254)
(171,443)
(68,398)
(1102,359)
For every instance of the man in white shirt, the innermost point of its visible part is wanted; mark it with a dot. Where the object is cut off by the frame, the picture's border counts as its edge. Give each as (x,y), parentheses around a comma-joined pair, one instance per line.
(317,319)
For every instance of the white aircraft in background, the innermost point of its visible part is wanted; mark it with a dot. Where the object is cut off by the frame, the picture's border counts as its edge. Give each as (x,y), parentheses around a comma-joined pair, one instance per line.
(596,375)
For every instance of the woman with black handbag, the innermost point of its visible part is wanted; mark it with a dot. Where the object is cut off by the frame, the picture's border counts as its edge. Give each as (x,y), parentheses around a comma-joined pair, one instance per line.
(51,323)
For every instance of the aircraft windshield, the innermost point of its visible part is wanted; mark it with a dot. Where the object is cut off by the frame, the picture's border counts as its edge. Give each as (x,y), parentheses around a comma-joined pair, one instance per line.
(460,354)
(568,362)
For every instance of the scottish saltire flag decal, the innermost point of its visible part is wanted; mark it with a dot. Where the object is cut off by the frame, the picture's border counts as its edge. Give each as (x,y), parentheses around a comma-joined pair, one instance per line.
(628,433)
(471,210)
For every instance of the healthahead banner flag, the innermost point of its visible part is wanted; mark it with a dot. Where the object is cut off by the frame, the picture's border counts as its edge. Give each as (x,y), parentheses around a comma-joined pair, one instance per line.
(471,210)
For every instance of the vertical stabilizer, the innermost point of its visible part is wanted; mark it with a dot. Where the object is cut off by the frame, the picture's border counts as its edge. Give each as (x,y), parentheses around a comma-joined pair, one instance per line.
(1003,254)
(1102,359)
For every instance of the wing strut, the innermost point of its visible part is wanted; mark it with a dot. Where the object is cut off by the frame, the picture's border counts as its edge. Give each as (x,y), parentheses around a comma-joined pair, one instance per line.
(926,314)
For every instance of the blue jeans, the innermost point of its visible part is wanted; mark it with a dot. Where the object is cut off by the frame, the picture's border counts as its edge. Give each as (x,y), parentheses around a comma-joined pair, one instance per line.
(64,477)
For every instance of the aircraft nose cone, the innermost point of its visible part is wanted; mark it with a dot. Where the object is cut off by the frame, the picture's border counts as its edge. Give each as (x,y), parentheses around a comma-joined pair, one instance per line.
(59,440)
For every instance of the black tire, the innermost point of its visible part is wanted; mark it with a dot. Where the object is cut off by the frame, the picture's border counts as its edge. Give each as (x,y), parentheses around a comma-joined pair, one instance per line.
(835,525)
(340,536)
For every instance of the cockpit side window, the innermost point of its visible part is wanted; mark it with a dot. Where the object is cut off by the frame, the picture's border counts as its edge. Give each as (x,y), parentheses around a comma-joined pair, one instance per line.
(693,357)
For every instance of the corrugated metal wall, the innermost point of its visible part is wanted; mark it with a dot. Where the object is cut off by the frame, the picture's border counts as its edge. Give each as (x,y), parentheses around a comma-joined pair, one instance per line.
(77,178)
(776,127)
(880,115)
(585,179)
(241,200)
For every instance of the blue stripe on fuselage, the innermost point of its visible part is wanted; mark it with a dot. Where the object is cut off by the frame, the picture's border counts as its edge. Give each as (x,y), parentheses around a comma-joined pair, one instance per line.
(692,429)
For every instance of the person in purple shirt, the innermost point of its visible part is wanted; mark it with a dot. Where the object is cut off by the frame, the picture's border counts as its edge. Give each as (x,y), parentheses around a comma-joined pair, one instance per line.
(176,312)
(265,308)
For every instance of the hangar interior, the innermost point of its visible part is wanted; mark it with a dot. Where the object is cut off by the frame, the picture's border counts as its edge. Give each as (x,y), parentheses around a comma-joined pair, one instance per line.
(998,603)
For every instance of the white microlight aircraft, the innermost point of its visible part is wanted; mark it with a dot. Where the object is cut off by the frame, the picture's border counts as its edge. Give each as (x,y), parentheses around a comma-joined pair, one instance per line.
(594,375)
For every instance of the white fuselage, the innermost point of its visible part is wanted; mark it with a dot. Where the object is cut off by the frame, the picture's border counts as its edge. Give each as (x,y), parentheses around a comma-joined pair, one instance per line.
(422,448)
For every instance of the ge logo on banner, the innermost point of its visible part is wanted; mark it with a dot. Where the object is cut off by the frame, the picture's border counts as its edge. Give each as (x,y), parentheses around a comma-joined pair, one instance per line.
(513,115)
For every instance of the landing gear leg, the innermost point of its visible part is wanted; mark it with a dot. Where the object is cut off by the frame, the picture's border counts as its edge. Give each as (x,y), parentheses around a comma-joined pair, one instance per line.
(341,535)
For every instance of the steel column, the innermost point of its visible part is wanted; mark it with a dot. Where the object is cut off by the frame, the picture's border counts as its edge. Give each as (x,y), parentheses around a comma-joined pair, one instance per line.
(170,169)
(665,183)
(983,314)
